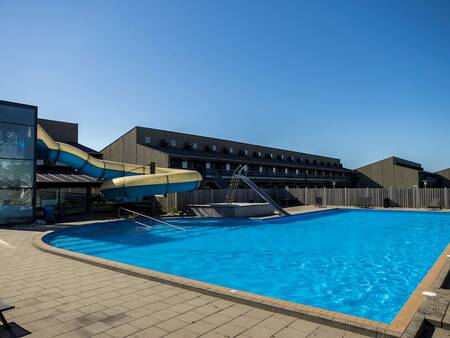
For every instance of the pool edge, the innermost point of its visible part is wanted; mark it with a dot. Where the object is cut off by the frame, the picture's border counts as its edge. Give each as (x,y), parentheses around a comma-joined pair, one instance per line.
(433,280)
(335,319)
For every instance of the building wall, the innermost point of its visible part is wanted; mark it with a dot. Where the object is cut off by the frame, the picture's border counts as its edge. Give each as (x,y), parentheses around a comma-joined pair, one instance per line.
(405,177)
(146,145)
(145,155)
(377,174)
(444,173)
(126,150)
(386,174)
(123,149)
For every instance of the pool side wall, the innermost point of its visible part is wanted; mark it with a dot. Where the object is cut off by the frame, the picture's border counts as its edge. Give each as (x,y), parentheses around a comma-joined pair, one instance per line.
(314,314)
(433,280)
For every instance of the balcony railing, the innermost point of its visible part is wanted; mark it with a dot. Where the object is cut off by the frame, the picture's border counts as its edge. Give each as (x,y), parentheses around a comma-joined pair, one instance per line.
(212,173)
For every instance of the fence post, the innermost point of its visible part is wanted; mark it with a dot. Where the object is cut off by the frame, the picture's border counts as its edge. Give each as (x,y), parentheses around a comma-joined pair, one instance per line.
(306,195)
(345,196)
(445,198)
(417,197)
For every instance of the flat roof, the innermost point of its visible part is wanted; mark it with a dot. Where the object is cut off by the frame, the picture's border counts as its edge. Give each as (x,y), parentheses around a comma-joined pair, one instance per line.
(242,144)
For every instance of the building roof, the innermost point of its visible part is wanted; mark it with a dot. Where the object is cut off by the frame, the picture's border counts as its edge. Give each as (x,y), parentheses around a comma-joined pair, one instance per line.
(88,150)
(221,142)
(407,163)
(60,131)
(396,161)
(63,175)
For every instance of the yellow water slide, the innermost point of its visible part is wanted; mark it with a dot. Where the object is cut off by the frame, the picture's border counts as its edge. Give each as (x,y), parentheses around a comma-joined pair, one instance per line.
(122,182)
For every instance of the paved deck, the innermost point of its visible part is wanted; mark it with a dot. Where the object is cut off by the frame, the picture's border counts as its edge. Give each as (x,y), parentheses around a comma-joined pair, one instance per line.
(59,297)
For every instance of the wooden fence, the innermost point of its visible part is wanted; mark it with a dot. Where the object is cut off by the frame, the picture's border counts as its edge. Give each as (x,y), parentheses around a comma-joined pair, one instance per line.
(398,197)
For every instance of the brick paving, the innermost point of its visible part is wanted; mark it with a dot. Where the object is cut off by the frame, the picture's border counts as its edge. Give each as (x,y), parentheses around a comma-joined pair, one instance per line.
(59,297)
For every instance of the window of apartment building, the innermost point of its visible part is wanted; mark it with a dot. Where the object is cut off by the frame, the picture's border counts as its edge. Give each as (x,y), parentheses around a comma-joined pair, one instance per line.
(173,143)
(195,145)
(282,156)
(261,169)
(214,147)
(228,167)
(286,171)
(245,152)
(231,150)
(148,140)
(296,171)
(184,164)
(208,165)
(274,170)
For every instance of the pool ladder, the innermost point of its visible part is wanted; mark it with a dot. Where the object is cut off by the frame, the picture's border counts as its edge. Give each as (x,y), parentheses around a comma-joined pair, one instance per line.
(138,214)
(234,184)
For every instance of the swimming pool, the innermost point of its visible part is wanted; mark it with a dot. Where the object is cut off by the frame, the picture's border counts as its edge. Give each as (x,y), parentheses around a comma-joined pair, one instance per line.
(364,263)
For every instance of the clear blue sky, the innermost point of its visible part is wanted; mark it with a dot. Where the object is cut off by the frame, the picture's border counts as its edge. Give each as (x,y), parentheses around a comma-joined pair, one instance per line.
(359,80)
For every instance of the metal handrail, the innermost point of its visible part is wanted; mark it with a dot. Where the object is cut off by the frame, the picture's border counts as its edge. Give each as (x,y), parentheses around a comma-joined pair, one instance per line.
(151,218)
(234,184)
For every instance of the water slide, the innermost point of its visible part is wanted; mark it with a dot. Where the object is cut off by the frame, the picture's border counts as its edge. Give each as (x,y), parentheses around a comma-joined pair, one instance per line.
(122,182)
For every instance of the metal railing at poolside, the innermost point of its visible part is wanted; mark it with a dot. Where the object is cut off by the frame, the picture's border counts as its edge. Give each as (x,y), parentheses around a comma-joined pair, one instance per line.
(135,213)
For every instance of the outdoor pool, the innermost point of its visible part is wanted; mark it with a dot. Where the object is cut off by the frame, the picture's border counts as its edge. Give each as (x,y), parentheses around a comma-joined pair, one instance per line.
(364,263)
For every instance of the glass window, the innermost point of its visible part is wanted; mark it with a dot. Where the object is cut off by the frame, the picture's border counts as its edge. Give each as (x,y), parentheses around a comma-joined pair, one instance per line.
(47,197)
(17,156)
(195,145)
(173,143)
(16,141)
(208,165)
(72,197)
(148,140)
(260,169)
(184,164)
(214,147)
(15,203)
(231,150)
(228,167)
(19,115)
(16,173)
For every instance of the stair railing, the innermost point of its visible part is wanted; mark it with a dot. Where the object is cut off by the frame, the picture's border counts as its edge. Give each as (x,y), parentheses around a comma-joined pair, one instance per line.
(135,213)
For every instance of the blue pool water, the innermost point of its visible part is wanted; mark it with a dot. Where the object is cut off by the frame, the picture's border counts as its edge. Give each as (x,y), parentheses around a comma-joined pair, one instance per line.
(359,262)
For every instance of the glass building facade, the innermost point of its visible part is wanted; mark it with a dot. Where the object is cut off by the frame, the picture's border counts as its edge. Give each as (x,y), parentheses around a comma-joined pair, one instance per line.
(17,162)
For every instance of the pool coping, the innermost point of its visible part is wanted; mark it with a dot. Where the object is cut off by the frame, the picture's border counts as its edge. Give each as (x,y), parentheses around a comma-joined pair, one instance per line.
(433,280)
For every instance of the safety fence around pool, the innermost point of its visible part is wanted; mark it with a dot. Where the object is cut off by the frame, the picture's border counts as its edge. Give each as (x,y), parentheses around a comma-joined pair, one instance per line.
(378,197)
